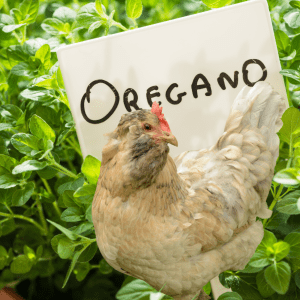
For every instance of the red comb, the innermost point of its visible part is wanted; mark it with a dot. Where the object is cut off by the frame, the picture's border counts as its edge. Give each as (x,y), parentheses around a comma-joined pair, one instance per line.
(158,111)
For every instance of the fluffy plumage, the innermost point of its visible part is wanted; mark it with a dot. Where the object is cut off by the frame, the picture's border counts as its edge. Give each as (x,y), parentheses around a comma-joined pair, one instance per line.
(182,222)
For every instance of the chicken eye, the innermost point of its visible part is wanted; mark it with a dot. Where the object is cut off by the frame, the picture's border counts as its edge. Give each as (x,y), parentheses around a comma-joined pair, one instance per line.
(147,127)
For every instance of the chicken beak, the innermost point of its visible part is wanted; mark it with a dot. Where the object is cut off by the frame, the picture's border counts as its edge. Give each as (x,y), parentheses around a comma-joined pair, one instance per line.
(169,138)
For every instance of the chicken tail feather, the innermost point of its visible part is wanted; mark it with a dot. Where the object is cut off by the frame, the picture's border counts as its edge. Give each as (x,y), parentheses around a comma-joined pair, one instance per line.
(261,109)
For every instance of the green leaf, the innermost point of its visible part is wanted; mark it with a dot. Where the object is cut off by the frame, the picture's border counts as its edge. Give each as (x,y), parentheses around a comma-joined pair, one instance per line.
(72,236)
(292,18)
(86,19)
(83,228)
(297,279)
(71,185)
(49,83)
(25,143)
(10,28)
(30,165)
(290,204)
(44,55)
(4,126)
(295,45)
(68,199)
(99,7)
(47,173)
(135,290)
(11,112)
(65,248)
(59,79)
(287,177)
(66,133)
(7,181)
(21,196)
(295,66)
(15,54)
(91,169)
(281,250)
(36,95)
(6,20)
(81,270)
(85,190)
(7,195)
(291,56)
(207,288)
(29,9)
(88,213)
(54,26)
(295,4)
(104,267)
(293,239)
(72,214)
(95,25)
(268,240)
(29,252)
(8,226)
(282,40)
(264,288)
(17,15)
(3,257)
(260,259)
(22,69)
(230,296)
(65,14)
(21,265)
(134,8)
(7,162)
(278,276)
(41,129)
(250,269)
(216,3)
(291,122)
(32,45)
(39,252)
(73,263)
(290,73)
(88,253)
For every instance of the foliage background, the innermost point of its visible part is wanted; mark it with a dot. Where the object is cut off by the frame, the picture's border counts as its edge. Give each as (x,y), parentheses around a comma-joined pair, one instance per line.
(47,241)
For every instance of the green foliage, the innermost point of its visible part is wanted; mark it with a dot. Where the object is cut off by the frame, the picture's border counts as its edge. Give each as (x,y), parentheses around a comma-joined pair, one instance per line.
(138,289)
(47,187)
(230,296)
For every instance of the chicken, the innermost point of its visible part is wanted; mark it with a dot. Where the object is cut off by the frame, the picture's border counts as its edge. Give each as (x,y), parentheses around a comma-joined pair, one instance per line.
(179,223)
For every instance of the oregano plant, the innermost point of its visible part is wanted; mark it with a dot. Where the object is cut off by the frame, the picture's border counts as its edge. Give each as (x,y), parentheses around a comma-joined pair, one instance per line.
(47,239)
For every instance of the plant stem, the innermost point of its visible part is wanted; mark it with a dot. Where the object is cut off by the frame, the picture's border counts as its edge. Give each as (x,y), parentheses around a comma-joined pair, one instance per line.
(5,7)
(41,213)
(75,146)
(25,219)
(17,37)
(117,24)
(71,166)
(276,198)
(8,208)
(278,193)
(4,220)
(95,266)
(287,86)
(23,34)
(60,168)
(64,170)
(47,186)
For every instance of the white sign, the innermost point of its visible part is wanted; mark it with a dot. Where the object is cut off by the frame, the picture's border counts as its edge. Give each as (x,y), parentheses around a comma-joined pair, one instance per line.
(195,66)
